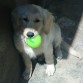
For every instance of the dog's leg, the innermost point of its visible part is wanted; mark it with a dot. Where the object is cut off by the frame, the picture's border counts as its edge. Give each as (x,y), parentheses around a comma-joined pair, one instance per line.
(49,58)
(28,67)
(58,52)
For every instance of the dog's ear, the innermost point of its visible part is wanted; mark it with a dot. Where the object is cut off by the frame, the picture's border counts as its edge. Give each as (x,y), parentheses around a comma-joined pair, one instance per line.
(48,21)
(14,19)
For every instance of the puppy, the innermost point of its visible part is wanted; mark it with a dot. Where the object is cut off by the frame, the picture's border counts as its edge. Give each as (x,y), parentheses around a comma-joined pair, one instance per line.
(28,21)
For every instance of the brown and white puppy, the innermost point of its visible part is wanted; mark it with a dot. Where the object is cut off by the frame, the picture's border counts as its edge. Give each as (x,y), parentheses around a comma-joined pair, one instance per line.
(29,20)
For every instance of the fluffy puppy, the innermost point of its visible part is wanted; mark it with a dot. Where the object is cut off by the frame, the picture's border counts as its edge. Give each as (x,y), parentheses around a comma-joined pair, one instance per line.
(29,20)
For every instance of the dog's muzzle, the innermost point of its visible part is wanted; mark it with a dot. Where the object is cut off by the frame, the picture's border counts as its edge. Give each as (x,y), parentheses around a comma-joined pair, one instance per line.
(28,33)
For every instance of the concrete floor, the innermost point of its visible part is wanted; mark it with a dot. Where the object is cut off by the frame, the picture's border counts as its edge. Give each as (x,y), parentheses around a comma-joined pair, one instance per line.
(67,71)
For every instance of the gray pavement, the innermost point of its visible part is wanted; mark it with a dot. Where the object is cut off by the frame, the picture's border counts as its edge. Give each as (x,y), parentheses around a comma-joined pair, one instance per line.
(67,71)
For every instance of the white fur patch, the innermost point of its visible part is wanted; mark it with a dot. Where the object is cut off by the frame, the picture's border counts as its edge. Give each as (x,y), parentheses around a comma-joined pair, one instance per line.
(29,51)
(26,30)
(50,69)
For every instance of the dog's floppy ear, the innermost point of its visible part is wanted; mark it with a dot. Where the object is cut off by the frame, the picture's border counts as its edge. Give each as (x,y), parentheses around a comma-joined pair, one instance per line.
(14,19)
(48,21)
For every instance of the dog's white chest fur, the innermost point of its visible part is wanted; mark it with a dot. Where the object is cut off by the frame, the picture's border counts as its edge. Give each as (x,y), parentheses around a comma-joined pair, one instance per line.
(22,47)
(29,51)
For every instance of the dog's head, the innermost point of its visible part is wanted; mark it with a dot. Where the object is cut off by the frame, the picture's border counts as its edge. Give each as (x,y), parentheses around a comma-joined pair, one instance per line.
(30,20)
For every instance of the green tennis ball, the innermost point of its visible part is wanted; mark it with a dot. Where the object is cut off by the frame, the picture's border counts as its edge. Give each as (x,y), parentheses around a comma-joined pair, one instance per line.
(34,42)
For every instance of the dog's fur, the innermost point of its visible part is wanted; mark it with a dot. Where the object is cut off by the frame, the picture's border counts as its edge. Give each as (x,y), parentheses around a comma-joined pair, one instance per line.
(32,18)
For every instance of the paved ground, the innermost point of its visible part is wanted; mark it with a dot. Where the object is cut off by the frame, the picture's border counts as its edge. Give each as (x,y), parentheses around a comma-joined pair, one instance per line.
(67,71)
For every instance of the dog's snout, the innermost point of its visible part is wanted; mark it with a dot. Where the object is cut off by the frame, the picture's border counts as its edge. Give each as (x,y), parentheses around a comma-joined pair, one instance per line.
(30,34)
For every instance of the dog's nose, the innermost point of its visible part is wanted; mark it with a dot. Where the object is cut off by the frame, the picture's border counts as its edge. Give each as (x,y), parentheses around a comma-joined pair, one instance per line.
(30,34)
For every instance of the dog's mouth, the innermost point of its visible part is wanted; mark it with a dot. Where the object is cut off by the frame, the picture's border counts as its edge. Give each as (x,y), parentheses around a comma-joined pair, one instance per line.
(29,33)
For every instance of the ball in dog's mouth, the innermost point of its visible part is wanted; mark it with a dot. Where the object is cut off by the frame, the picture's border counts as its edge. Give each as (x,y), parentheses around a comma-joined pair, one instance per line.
(34,41)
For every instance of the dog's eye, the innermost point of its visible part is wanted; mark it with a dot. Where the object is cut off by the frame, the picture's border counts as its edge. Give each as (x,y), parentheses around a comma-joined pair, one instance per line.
(26,19)
(37,20)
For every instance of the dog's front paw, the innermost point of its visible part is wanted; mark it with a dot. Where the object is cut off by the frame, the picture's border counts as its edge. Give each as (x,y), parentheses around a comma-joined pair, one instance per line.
(26,75)
(50,69)
(59,55)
